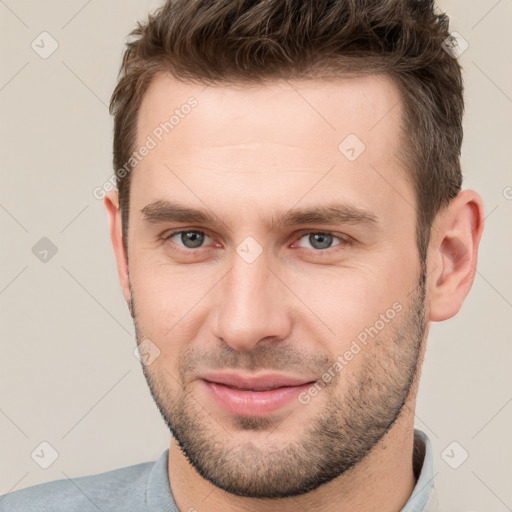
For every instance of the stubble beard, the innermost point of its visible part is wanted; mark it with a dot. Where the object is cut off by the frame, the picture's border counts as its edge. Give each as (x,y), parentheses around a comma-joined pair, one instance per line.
(338,437)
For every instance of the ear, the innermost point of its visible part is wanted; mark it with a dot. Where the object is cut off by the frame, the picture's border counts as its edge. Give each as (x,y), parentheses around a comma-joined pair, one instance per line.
(453,254)
(111,202)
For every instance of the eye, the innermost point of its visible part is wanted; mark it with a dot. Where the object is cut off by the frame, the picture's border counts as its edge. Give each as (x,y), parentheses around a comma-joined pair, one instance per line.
(191,239)
(317,240)
(321,240)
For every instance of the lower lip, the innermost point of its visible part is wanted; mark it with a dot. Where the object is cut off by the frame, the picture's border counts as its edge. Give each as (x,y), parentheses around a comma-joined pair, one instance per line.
(253,403)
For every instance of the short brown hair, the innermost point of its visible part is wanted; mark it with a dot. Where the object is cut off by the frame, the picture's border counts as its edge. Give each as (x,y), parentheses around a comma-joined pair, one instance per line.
(255,41)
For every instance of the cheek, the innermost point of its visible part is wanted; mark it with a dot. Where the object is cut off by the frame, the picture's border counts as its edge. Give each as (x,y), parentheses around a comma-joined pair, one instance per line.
(169,300)
(348,301)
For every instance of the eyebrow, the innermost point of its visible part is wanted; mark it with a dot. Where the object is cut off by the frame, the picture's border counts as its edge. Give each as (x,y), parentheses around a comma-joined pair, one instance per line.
(332,213)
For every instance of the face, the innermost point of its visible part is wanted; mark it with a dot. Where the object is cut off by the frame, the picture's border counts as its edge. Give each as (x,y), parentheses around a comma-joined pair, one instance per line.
(273,263)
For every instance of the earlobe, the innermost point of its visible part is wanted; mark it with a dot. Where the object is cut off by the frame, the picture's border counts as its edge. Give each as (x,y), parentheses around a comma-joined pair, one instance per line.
(453,254)
(111,202)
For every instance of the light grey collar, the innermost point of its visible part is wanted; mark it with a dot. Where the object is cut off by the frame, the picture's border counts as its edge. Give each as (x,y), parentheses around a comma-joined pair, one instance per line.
(423,497)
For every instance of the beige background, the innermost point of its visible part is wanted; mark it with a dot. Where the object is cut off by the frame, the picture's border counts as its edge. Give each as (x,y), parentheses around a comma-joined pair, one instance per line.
(68,375)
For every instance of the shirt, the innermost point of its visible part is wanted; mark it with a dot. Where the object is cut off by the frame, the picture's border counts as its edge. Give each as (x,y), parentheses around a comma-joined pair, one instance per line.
(145,488)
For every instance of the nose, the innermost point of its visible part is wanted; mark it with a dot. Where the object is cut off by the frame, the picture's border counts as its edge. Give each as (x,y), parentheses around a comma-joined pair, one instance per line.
(253,306)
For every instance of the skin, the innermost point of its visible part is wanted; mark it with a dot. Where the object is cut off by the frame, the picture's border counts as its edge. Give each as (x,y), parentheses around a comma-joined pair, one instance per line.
(247,154)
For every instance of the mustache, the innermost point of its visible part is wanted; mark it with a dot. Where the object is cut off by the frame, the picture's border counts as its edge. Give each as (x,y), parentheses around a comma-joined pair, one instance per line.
(269,357)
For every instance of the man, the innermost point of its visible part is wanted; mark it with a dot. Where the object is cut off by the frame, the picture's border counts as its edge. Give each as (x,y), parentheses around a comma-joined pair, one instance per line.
(289,219)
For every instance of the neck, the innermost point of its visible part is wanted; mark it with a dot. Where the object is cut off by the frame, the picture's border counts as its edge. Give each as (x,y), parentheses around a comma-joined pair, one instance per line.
(365,487)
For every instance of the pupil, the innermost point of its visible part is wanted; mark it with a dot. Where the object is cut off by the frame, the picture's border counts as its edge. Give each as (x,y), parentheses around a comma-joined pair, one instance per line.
(320,241)
(192,239)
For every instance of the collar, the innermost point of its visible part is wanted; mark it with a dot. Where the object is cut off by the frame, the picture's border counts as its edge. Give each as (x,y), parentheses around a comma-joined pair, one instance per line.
(423,497)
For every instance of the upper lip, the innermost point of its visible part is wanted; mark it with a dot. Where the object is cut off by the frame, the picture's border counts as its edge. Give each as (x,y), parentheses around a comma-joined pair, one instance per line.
(255,382)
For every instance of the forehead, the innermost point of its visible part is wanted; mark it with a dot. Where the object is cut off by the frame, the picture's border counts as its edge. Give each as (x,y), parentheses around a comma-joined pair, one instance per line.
(262,137)
(328,108)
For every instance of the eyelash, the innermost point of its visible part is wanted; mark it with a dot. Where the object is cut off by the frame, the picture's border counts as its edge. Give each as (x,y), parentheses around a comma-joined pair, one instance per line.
(345,240)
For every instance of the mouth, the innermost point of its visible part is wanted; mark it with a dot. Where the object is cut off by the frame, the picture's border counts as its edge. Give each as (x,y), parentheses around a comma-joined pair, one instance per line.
(253,395)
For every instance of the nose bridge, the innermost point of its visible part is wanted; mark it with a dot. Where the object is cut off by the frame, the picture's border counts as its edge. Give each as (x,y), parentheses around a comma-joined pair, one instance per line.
(251,306)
